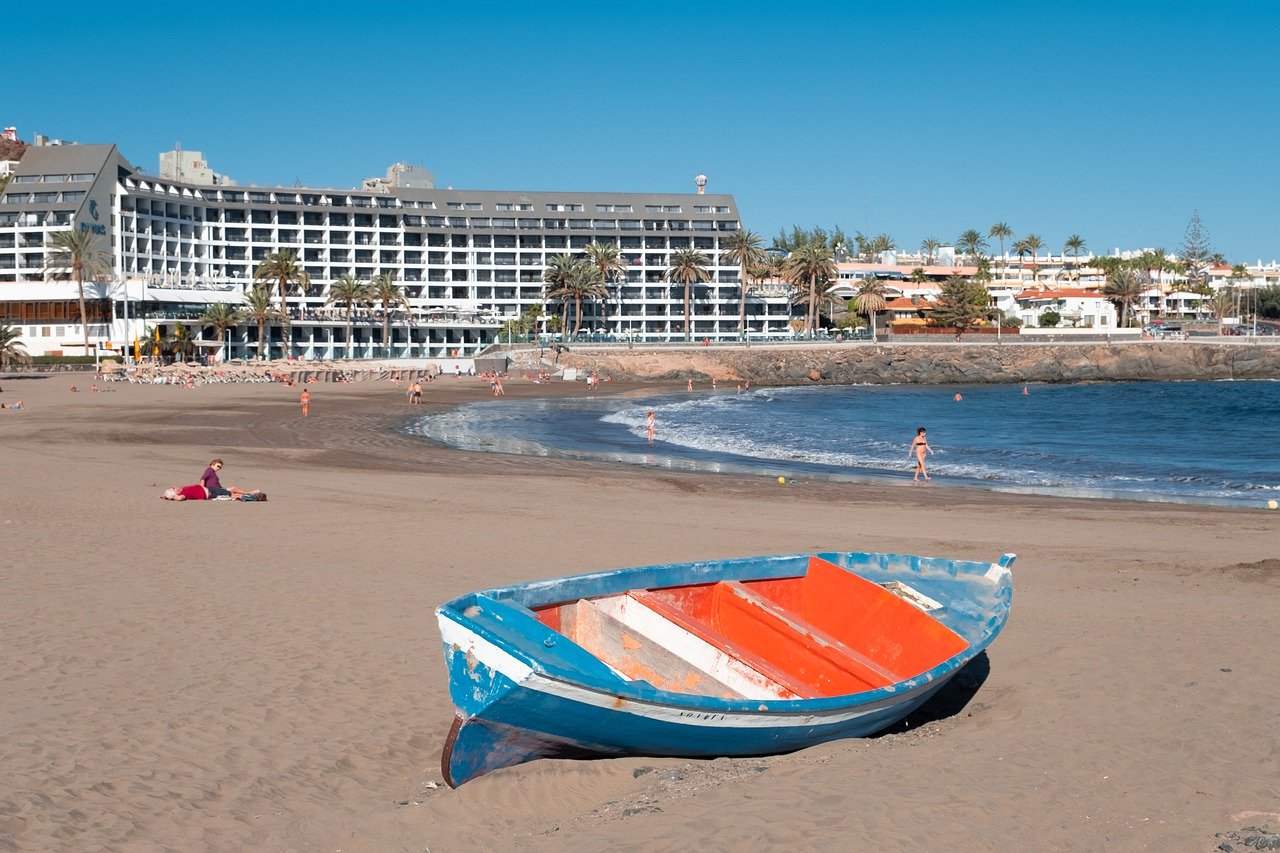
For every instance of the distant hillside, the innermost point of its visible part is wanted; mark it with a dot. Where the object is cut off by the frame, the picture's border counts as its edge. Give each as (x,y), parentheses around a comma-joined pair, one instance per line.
(12,149)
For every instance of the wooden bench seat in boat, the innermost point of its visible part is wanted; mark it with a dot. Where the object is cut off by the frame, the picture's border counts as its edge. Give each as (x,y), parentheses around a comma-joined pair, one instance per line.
(880,626)
(796,654)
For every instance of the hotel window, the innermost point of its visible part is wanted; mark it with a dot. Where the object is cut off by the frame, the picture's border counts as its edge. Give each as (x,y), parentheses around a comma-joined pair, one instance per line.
(75,196)
(45,197)
(722,209)
(16,198)
(474,205)
(524,207)
(555,207)
(502,206)
(55,179)
(259,198)
(653,208)
(671,208)
(479,222)
(573,207)
(26,179)
(701,208)
(455,205)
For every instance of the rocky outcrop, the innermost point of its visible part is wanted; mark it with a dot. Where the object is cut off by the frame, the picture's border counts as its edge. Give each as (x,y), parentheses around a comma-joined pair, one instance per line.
(937,364)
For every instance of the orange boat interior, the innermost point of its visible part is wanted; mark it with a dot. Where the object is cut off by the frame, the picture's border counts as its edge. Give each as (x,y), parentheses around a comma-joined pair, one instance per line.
(825,633)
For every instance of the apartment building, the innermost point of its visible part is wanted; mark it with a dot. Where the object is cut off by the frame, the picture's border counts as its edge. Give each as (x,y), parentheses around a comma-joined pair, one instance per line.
(469,261)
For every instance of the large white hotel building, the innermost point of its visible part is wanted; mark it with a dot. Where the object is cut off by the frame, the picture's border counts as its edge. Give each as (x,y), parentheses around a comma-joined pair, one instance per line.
(469,261)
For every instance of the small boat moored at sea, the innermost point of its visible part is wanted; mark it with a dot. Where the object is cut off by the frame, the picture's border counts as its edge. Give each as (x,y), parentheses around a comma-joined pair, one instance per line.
(738,657)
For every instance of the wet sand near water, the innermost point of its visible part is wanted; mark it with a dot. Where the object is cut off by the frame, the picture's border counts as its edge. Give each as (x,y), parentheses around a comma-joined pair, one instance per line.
(226,675)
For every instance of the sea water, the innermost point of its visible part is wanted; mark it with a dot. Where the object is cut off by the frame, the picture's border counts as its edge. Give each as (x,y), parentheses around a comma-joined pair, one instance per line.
(1206,442)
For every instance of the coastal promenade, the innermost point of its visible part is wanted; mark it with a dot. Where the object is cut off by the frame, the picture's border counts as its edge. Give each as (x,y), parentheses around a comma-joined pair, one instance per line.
(970,361)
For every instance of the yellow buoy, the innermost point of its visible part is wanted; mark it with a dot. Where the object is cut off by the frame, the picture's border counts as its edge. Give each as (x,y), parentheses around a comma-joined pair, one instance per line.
(1272,504)
(783,481)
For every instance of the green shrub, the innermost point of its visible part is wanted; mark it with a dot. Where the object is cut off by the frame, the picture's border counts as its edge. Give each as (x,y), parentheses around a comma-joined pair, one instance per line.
(62,359)
(1050,319)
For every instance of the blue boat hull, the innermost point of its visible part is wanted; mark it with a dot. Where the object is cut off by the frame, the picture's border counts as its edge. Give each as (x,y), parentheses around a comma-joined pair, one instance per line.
(524,692)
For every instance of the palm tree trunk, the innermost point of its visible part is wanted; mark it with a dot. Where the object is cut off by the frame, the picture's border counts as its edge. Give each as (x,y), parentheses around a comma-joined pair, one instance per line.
(564,321)
(813,305)
(350,332)
(84,315)
(287,343)
(261,340)
(386,328)
(688,327)
(742,302)
(577,314)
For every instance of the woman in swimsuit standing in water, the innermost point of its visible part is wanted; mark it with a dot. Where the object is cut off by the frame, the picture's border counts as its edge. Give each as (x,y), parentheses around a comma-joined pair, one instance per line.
(919,447)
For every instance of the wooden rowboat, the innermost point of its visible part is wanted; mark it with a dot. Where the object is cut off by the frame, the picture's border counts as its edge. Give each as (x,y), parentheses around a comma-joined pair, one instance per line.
(739,657)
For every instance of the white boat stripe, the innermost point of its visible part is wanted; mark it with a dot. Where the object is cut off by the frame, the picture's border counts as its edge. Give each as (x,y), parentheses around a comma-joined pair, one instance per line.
(521,673)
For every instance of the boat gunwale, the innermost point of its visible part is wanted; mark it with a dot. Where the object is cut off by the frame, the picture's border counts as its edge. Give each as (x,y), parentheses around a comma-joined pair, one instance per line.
(641,691)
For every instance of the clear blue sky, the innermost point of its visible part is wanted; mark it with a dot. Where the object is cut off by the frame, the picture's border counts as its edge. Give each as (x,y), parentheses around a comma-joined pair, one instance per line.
(1114,120)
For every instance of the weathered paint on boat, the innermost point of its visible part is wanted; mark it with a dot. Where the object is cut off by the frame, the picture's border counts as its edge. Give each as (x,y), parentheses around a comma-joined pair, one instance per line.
(523,690)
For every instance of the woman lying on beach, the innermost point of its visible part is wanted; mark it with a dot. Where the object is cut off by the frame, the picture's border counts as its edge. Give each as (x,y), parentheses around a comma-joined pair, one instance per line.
(197,492)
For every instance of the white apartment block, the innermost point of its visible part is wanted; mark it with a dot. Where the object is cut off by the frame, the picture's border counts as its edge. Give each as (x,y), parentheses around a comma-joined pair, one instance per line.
(468,261)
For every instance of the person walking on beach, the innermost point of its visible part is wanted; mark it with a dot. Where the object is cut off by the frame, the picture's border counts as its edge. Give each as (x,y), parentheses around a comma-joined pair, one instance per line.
(305,400)
(415,393)
(919,447)
(649,425)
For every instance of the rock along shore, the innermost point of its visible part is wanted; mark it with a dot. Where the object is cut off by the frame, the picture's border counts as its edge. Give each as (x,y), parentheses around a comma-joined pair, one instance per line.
(930,364)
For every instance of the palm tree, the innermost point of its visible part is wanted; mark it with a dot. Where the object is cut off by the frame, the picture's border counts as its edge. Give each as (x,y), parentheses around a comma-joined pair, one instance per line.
(880,244)
(584,283)
(812,264)
(607,259)
(1001,231)
(349,291)
(869,299)
(221,316)
(1073,246)
(972,243)
(688,266)
(282,269)
(259,309)
(1124,289)
(745,249)
(1020,248)
(556,277)
(1033,244)
(384,289)
(180,342)
(929,247)
(77,255)
(12,350)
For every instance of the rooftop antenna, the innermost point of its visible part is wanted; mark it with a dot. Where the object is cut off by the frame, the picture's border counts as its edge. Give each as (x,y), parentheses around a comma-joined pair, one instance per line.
(701,182)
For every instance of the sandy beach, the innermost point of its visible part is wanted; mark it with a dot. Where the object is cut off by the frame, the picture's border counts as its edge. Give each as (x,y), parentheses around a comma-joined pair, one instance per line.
(235,675)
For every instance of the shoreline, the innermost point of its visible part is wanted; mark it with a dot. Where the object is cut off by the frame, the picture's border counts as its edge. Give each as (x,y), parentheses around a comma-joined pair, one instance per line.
(269,674)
